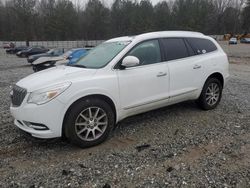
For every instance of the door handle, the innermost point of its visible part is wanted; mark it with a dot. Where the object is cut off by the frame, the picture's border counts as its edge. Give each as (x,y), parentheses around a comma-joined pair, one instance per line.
(197,67)
(161,74)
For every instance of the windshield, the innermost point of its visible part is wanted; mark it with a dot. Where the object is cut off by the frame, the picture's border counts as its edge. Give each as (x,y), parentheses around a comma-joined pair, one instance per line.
(50,51)
(67,54)
(101,55)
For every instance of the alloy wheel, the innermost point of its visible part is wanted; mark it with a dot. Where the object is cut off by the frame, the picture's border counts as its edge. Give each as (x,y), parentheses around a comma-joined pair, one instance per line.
(91,123)
(212,94)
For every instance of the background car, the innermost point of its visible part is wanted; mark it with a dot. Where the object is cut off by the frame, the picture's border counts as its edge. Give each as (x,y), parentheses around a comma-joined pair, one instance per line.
(76,55)
(7,45)
(69,57)
(245,40)
(16,49)
(32,51)
(50,53)
(233,40)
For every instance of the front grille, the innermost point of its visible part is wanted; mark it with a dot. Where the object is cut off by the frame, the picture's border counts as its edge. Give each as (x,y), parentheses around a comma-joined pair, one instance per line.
(18,95)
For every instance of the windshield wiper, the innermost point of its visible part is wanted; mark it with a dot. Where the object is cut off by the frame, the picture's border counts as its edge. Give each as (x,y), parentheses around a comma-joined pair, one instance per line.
(75,65)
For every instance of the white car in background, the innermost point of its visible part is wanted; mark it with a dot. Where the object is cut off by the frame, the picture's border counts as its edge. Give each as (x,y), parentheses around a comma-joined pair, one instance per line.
(59,60)
(233,40)
(120,78)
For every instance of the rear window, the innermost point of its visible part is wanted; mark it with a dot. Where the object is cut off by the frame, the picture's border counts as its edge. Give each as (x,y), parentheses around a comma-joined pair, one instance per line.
(201,46)
(175,48)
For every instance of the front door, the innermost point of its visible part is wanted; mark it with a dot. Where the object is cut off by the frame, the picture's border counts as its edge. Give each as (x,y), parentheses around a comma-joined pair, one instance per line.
(147,85)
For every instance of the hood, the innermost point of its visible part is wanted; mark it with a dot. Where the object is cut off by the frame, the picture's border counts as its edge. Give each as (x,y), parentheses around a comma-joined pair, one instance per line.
(42,60)
(54,76)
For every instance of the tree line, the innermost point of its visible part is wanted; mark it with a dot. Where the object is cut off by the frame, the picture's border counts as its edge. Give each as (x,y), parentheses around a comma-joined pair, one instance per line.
(64,20)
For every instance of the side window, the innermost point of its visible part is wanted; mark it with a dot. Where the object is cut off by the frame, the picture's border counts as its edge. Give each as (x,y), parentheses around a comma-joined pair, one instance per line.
(56,52)
(191,52)
(147,52)
(201,46)
(175,48)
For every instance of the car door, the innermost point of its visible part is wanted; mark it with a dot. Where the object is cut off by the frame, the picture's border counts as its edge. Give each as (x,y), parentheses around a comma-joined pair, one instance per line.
(145,86)
(34,51)
(185,69)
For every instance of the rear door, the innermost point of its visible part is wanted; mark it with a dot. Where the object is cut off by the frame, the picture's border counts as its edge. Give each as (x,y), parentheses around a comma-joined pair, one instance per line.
(184,67)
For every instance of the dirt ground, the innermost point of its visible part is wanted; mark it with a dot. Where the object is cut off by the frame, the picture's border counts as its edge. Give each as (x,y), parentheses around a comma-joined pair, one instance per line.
(176,146)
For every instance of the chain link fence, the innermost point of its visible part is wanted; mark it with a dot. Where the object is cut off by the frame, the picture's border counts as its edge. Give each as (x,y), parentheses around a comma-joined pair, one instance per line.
(57,44)
(71,44)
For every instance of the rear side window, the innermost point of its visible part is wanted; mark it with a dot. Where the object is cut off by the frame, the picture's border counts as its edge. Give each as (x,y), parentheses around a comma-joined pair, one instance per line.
(201,46)
(191,52)
(175,48)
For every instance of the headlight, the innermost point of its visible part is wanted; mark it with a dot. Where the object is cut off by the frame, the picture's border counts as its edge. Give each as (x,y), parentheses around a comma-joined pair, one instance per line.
(43,96)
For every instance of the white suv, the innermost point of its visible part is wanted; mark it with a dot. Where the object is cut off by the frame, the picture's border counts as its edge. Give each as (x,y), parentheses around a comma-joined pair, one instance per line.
(119,78)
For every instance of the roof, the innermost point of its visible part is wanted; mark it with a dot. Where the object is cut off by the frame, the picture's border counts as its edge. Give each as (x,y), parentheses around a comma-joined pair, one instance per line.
(158,34)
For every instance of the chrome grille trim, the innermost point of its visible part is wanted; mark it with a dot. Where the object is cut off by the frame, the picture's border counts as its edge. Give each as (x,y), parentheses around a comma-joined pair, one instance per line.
(18,95)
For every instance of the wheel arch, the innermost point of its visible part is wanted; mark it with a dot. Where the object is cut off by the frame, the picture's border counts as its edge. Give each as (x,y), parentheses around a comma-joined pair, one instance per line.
(100,96)
(219,76)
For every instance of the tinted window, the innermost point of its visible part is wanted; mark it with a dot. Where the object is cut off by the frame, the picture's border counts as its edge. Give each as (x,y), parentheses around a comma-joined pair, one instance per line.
(175,48)
(201,46)
(191,52)
(58,52)
(36,49)
(147,52)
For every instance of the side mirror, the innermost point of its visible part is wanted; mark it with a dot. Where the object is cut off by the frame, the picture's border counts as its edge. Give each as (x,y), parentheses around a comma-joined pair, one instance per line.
(70,57)
(130,61)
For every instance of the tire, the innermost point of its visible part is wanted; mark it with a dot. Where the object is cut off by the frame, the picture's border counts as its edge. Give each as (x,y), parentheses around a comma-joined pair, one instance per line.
(35,69)
(209,99)
(82,126)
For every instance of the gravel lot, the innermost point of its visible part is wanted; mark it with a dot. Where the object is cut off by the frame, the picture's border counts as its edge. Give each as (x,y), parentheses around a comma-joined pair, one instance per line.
(177,146)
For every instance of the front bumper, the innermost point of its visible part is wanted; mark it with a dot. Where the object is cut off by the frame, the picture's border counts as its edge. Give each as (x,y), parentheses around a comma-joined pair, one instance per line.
(49,114)
(30,60)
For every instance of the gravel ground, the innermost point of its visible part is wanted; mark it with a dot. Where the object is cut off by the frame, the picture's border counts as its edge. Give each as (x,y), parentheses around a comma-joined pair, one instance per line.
(176,146)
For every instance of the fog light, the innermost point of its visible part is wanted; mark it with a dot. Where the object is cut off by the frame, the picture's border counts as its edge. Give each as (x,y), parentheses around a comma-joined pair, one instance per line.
(36,126)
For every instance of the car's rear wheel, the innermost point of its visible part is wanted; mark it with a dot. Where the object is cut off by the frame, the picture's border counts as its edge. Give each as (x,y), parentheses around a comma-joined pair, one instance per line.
(89,122)
(211,94)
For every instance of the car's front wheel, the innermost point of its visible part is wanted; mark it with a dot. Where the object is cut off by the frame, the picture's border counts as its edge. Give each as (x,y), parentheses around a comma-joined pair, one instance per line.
(89,122)
(211,94)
